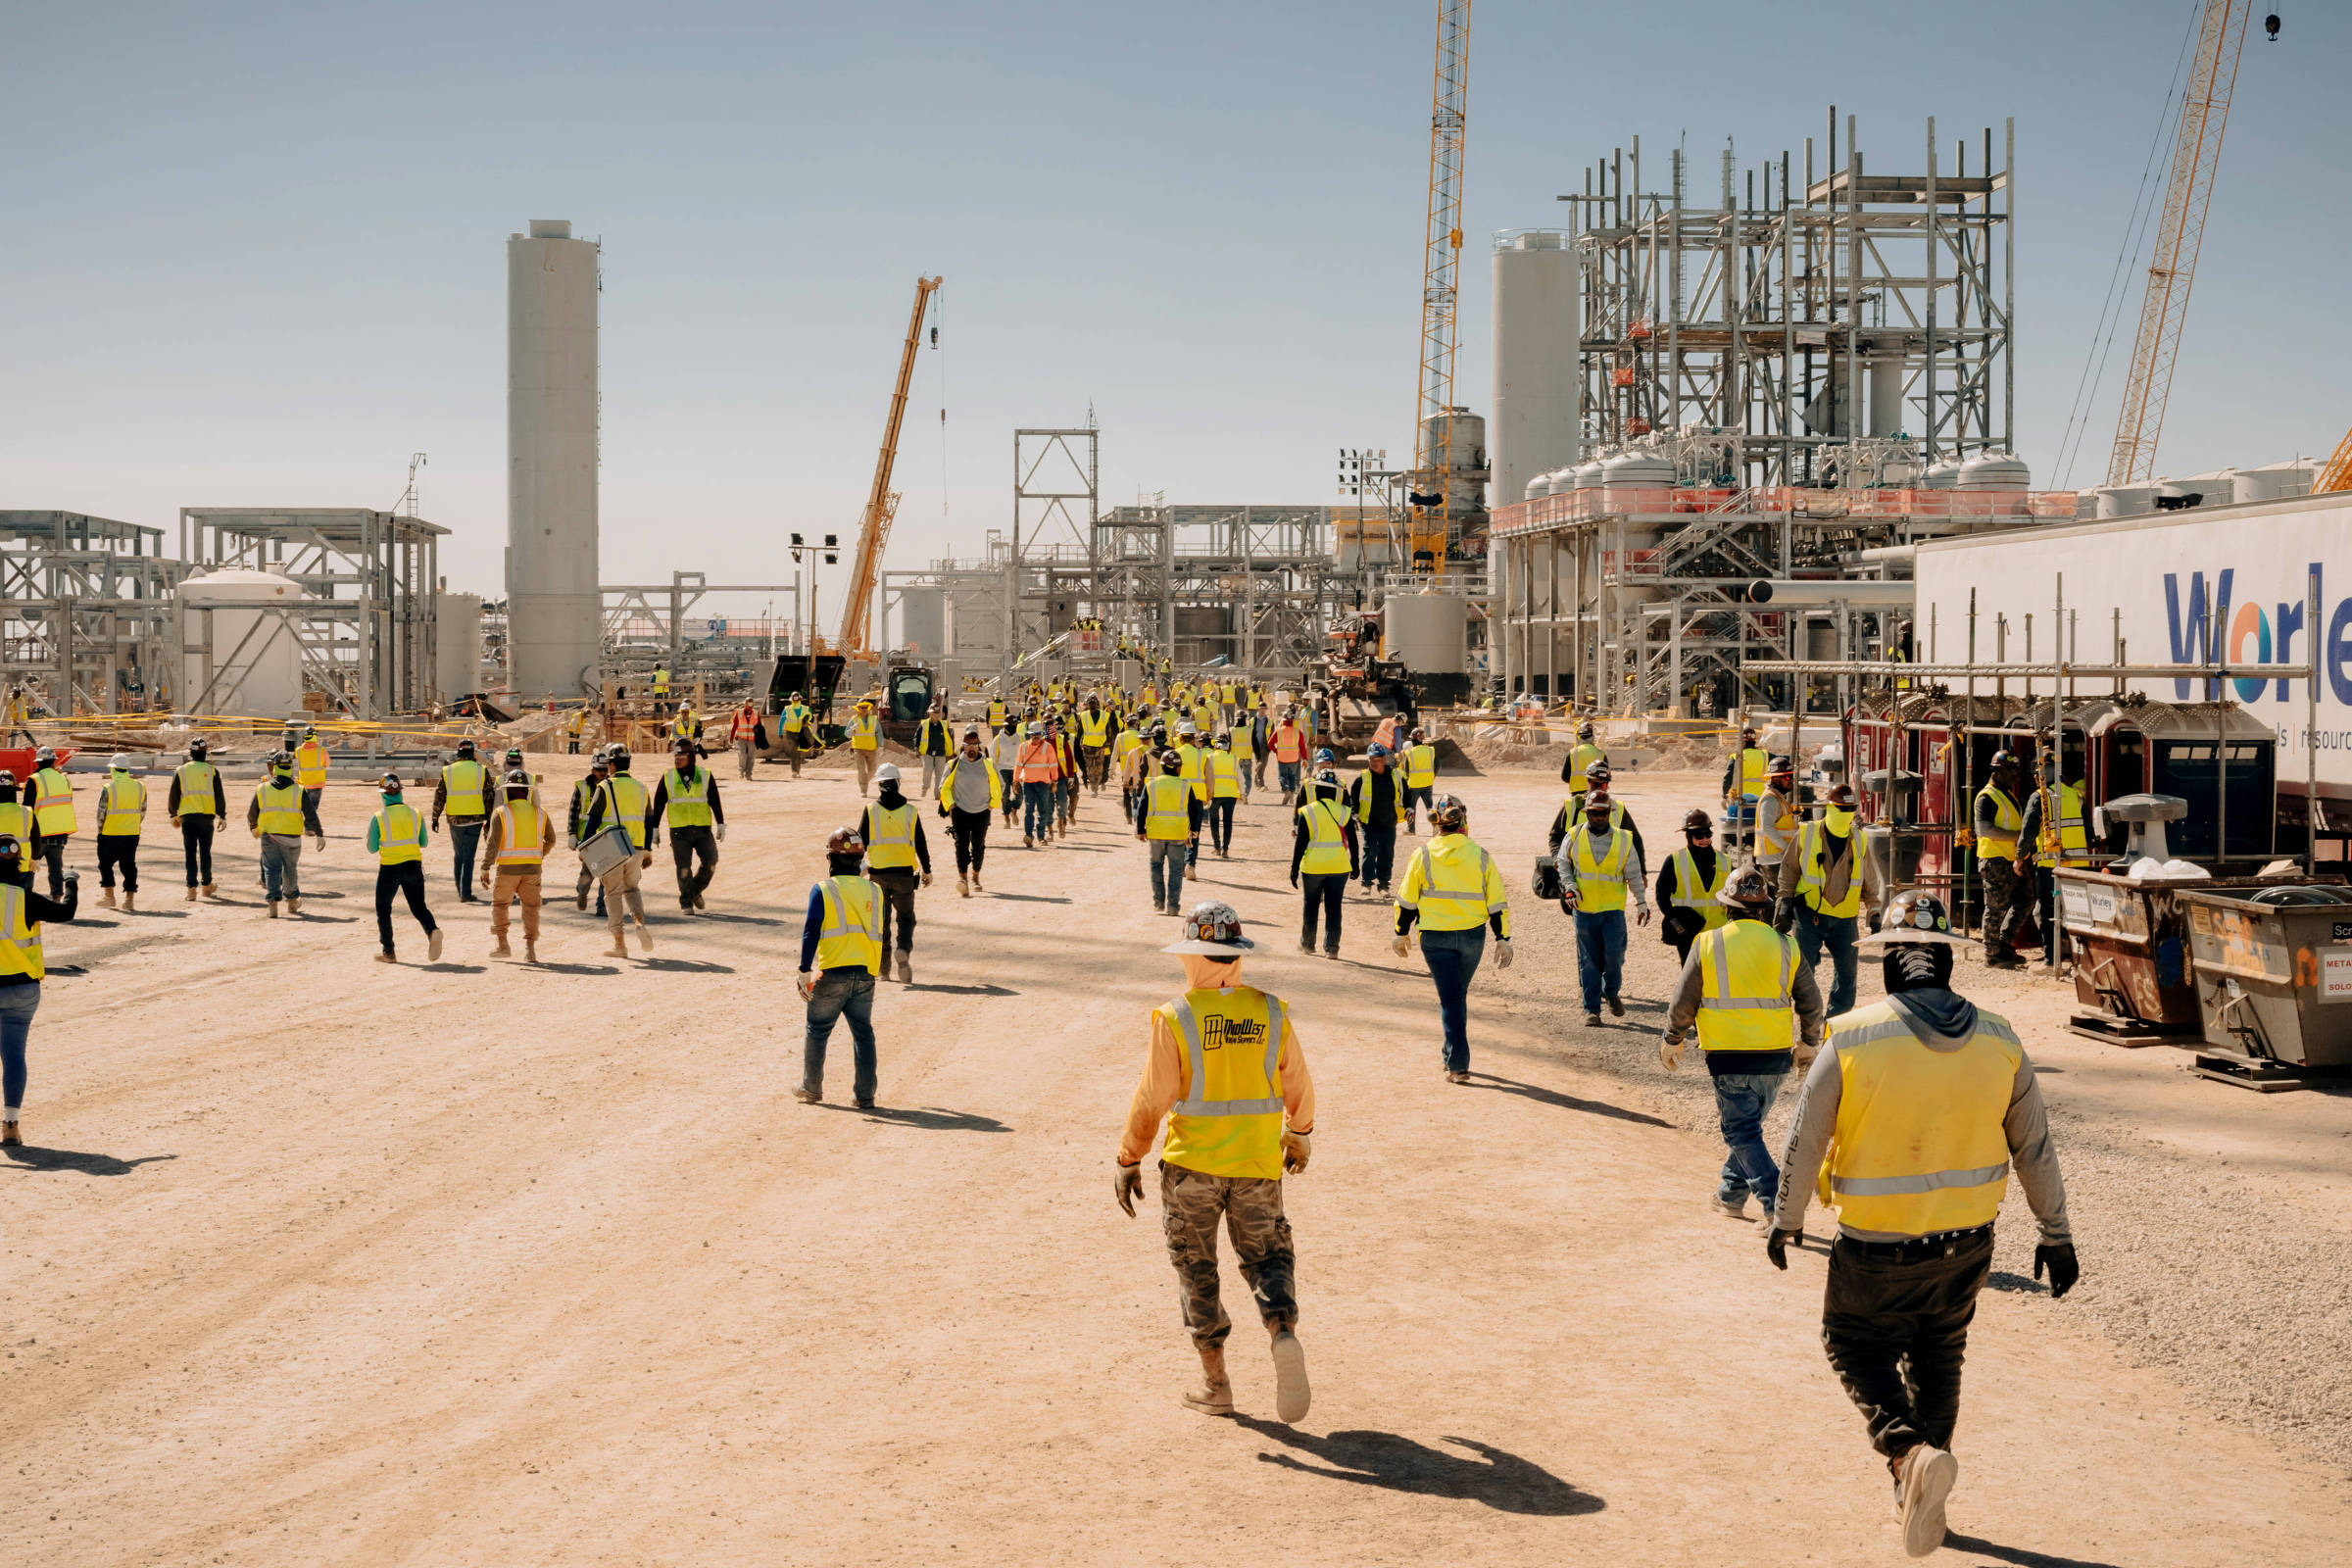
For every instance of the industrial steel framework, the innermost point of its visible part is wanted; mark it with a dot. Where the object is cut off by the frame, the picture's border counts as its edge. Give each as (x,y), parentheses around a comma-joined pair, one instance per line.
(1440,267)
(1258,584)
(86,611)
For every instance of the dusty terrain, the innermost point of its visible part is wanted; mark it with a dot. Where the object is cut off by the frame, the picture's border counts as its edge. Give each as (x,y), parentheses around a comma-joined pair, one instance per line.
(312,1260)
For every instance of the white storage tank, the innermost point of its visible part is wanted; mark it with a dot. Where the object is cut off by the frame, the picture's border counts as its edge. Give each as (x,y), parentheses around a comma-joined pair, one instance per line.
(1430,631)
(2126,500)
(1941,475)
(1588,475)
(457,647)
(1636,481)
(1536,388)
(242,659)
(1993,470)
(923,621)
(1539,487)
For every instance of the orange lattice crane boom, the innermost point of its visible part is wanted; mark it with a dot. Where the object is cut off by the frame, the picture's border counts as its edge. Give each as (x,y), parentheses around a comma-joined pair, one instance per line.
(1429,498)
(882,502)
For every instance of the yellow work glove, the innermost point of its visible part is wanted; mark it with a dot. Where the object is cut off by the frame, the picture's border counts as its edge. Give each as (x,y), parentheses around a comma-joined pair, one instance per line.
(1127,1185)
(1296,1147)
(1401,946)
(1670,1053)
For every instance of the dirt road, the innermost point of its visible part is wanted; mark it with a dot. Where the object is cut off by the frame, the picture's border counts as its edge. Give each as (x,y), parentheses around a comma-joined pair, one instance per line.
(312,1260)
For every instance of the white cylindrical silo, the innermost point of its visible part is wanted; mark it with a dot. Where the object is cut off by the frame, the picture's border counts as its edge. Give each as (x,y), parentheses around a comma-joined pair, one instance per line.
(1537,390)
(1430,631)
(240,656)
(923,621)
(458,646)
(554,609)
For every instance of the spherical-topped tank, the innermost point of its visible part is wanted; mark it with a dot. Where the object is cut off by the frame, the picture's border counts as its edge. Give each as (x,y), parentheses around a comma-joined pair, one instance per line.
(1430,631)
(1993,470)
(1941,475)
(243,660)
(1539,486)
(1636,470)
(1588,475)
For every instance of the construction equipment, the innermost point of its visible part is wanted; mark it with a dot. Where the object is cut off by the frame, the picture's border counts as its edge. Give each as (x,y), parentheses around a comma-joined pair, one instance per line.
(2337,476)
(2196,151)
(1430,492)
(882,502)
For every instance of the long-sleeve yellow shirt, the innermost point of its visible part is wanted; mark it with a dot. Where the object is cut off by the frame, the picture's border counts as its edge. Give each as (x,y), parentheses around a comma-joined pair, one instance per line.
(1168,1075)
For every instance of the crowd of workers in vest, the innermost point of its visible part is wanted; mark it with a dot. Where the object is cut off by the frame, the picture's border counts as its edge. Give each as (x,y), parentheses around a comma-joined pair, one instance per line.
(1909,1117)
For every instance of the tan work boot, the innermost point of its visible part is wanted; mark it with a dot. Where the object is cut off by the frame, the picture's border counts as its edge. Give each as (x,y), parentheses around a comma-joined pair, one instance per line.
(273,909)
(387,957)
(502,951)
(432,945)
(191,895)
(645,936)
(1215,1394)
(9,1136)
(1290,1395)
(293,905)
(106,899)
(131,900)
(964,886)
(1923,1481)
(211,890)
(619,950)
(531,952)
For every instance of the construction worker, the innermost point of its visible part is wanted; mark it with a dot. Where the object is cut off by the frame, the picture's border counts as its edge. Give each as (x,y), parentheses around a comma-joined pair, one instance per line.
(16,820)
(622,802)
(311,761)
(1038,765)
(1066,779)
(1744,774)
(1689,883)
(687,726)
(1287,744)
(1323,850)
(19,716)
(1572,812)
(661,691)
(1142,766)
(1237,1120)
(1778,810)
(933,744)
(1004,754)
(2052,832)
(273,817)
(1376,800)
(22,914)
(519,833)
(1823,886)
(841,956)
(1746,990)
(1222,776)
(1599,864)
(573,727)
(970,792)
(600,768)
(199,803)
(996,714)
(1999,831)
(1246,748)
(464,793)
(1167,822)
(743,733)
(51,797)
(1452,889)
(1578,763)
(1911,1119)
(122,816)
(1093,742)
(396,837)
(686,801)
(1123,746)
(865,743)
(797,730)
(897,857)
(1420,776)
(1195,772)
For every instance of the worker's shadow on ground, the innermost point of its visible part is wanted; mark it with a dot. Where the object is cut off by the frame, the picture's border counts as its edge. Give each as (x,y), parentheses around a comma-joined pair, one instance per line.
(1500,1480)
(2000,1279)
(30,1158)
(688,966)
(931,1119)
(2018,1555)
(1027,897)
(738,919)
(1552,1097)
(968,991)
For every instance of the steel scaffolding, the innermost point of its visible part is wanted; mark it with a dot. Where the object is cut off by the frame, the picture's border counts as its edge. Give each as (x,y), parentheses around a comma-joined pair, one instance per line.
(85,612)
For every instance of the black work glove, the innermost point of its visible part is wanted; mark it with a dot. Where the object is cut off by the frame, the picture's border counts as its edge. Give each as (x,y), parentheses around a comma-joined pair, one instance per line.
(2064,1269)
(1127,1185)
(1776,1246)
(1784,916)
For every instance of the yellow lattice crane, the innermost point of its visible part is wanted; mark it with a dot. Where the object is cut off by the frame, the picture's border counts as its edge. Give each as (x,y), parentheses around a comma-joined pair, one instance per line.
(1429,494)
(882,503)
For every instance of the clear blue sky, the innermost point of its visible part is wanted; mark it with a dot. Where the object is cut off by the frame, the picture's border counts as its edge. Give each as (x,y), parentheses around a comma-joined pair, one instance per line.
(254,252)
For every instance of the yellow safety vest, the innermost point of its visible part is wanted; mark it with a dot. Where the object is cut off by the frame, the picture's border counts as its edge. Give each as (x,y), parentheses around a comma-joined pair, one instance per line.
(865,733)
(199,789)
(461,783)
(576,722)
(1574,812)
(996,782)
(282,809)
(2062,842)
(2009,821)
(796,714)
(660,683)
(1776,827)
(1420,765)
(627,802)
(1224,776)
(892,842)
(689,803)
(399,834)
(21,939)
(522,836)
(1229,1122)
(995,716)
(1204,717)
(310,765)
(1454,886)
(1755,767)
(1367,782)
(1746,972)
(1685,873)
(52,796)
(1094,728)
(1127,745)
(1815,879)
(1919,1148)
(1243,744)
(16,820)
(1583,757)
(1167,814)
(1191,772)
(1600,878)
(1326,848)
(125,807)
(851,936)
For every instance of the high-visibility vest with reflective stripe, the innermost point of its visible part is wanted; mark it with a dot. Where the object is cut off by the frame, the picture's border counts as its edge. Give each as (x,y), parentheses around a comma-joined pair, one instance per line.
(2063,841)
(995,781)
(1191,772)
(1919,1147)
(1688,896)
(310,765)
(52,797)
(16,820)
(892,843)
(627,802)
(995,716)
(281,808)
(1776,827)
(522,835)
(20,939)
(1815,880)
(461,783)
(796,714)
(1288,742)
(399,835)
(1038,763)
(199,789)
(1245,741)
(1755,767)
(1224,776)
(1746,972)
(1167,809)
(1454,884)
(1094,729)
(1225,692)
(1127,745)
(1326,852)
(689,803)
(1583,757)
(125,807)
(865,733)
(1574,805)
(1368,783)
(1229,1122)
(1600,877)
(2009,821)
(851,936)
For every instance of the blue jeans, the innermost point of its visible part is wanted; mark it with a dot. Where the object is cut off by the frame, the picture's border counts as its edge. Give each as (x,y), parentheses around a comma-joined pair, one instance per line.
(839,992)
(17,1006)
(1815,931)
(1036,809)
(1452,957)
(1599,956)
(1379,852)
(1743,1099)
(463,836)
(1168,853)
(281,867)
(1288,773)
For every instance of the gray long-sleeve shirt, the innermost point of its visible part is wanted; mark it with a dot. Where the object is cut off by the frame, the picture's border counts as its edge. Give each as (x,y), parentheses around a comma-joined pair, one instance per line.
(2026,1126)
(1804,991)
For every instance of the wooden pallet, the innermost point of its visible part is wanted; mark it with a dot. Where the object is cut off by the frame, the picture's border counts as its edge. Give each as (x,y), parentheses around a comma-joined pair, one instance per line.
(2263,1076)
(2110,1030)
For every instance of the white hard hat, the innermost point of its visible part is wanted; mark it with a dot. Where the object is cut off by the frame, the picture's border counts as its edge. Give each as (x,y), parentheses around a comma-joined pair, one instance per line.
(887,773)
(120,759)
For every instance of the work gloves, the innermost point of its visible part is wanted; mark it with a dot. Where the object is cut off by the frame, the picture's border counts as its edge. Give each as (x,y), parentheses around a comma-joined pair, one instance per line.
(926,879)
(1127,1185)
(1401,946)
(2063,1270)
(807,985)
(1296,1147)
(1776,1246)
(1670,1051)
(719,832)
(1293,879)
(1502,952)
(1643,917)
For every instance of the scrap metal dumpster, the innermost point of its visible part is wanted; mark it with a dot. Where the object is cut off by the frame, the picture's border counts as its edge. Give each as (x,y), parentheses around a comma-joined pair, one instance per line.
(2132,963)
(2273,978)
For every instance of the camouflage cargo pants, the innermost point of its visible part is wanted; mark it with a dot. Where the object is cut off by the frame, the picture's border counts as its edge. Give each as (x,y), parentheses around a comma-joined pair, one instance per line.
(1190,1206)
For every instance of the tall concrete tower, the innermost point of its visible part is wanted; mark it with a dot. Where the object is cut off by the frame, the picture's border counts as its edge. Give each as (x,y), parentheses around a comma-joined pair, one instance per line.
(554,609)
(1538,382)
